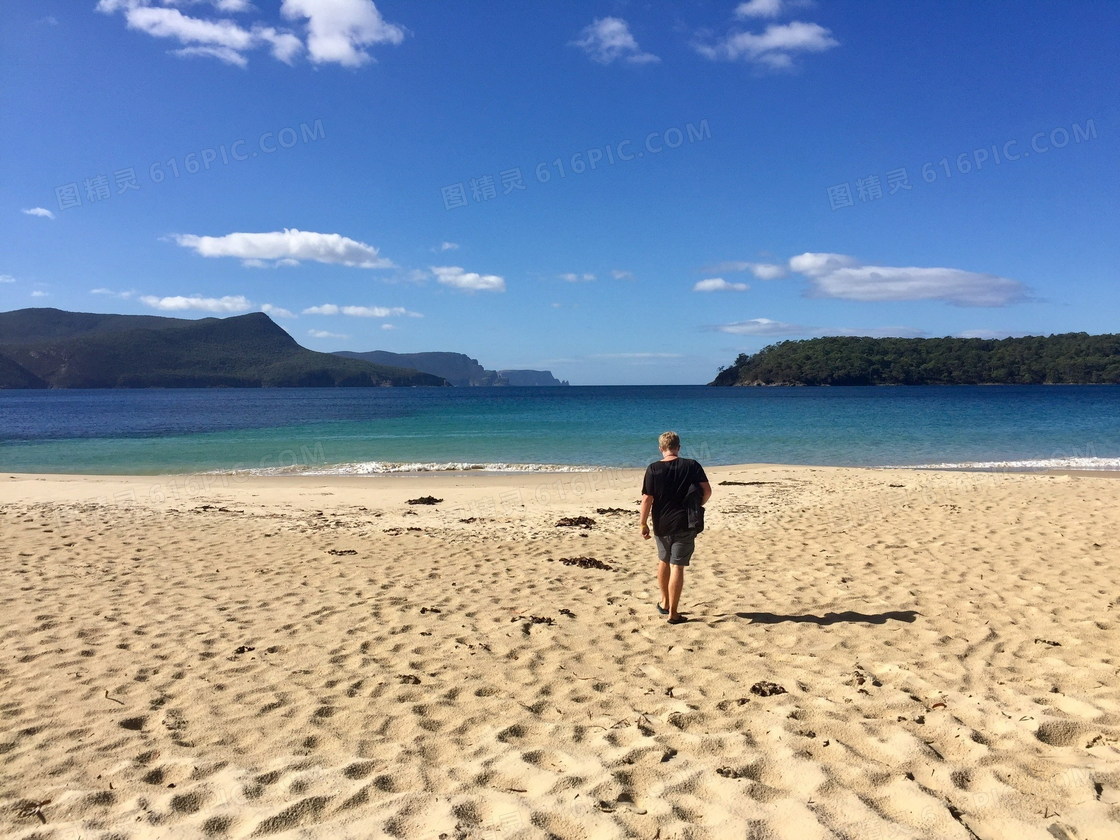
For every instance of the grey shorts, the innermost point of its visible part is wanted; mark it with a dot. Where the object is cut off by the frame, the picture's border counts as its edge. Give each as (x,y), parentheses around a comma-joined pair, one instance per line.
(676,549)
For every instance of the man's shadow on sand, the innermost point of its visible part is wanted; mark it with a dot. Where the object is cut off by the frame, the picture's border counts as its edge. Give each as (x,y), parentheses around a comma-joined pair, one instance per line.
(848,616)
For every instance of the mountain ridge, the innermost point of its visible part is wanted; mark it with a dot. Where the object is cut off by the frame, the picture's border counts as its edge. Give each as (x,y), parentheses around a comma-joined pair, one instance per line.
(53,348)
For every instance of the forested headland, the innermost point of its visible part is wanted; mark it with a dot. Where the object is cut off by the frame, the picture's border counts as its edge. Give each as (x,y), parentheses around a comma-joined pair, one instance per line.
(1065,359)
(51,348)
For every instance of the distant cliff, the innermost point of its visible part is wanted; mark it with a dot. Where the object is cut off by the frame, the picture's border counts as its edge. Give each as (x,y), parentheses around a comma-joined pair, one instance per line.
(51,348)
(457,368)
(531,377)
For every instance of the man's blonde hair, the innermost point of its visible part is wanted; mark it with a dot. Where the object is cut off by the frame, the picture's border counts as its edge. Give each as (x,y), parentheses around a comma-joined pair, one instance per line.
(669,442)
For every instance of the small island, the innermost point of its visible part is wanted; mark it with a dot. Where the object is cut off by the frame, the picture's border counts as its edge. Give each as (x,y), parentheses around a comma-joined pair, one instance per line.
(1065,359)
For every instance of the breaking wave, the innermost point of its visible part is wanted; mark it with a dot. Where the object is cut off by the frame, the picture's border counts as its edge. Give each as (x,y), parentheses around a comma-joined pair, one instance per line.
(1036,465)
(391,467)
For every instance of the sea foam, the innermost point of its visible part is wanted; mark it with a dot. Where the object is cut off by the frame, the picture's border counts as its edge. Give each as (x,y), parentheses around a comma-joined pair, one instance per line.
(392,467)
(1083,463)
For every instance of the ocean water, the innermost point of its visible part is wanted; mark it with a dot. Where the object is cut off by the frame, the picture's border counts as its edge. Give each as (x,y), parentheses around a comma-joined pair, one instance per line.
(370,431)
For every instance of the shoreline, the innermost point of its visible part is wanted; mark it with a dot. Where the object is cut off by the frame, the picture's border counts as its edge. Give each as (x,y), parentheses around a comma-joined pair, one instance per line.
(894,653)
(547,471)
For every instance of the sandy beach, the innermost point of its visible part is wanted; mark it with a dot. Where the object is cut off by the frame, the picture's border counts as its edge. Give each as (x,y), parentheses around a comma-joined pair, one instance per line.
(871,654)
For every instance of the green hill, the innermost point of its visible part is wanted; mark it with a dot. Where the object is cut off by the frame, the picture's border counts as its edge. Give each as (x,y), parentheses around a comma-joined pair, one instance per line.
(14,375)
(33,326)
(1066,359)
(57,349)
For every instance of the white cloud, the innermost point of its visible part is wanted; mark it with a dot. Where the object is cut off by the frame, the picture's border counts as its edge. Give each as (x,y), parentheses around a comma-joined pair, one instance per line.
(448,246)
(609,39)
(339,29)
(39,294)
(7,278)
(619,274)
(227,55)
(288,247)
(164,22)
(844,277)
(325,334)
(43,212)
(718,284)
(759,8)
(220,5)
(769,8)
(818,264)
(276,311)
(222,39)
(285,45)
(763,326)
(763,271)
(775,48)
(229,303)
(111,293)
(453,275)
(572,277)
(767,271)
(232,6)
(360,311)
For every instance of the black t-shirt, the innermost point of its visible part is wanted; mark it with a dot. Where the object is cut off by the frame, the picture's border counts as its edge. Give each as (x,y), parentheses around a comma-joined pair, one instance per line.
(668,483)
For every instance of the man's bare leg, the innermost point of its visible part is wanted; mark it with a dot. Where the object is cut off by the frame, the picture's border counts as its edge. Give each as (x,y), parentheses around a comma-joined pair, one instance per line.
(674,588)
(663,583)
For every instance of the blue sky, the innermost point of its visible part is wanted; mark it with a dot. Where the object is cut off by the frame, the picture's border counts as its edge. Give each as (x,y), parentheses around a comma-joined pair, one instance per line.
(620,192)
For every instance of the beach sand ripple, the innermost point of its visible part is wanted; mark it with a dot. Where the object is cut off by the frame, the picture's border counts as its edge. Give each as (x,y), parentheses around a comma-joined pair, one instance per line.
(869,654)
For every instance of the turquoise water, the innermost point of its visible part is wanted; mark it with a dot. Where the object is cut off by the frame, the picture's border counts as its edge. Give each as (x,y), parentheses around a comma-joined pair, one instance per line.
(365,431)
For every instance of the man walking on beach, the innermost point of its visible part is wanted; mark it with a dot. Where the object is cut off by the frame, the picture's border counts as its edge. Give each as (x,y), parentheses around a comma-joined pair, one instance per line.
(665,489)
